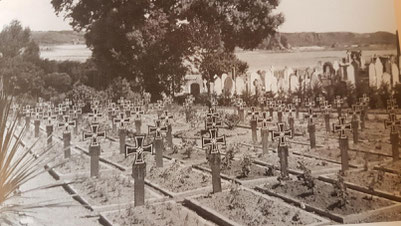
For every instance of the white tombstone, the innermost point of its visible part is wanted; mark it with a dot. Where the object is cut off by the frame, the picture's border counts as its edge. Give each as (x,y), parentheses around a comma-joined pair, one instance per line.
(223,78)
(286,83)
(351,74)
(294,83)
(336,66)
(228,86)
(240,85)
(271,81)
(379,72)
(386,78)
(395,73)
(218,86)
(372,75)
(253,79)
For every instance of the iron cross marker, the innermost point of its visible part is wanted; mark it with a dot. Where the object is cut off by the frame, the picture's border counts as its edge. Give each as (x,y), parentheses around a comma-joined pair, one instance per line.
(392,105)
(280,109)
(394,125)
(212,143)
(254,122)
(272,106)
(166,120)
(65,125)
(157,132)
(291,121)
(341,128)
(94,116)
(94,147)
(297,102)
(27,112)
(262,102)
(38,114)
(137,118)
(264,131)
(113,110)
(239,103)
(121,122)
(326,108)
(49,117)
(355,111)
(281,136)
(338,103)
(76,113)
(311,127)
(139,167)
(364,102)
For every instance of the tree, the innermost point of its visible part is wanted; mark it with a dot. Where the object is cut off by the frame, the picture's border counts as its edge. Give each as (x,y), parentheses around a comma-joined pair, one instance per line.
(152,41)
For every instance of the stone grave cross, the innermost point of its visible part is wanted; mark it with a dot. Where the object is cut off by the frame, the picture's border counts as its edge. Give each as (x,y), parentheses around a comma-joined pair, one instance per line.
(137,118)
(65,125)
(338,103)
(341,128)
(364,102)
(394,125)
(166,120)
(157,131)
(49,117)
(239,103)
(281,136)
(37,115)
(311,126)
(326,109)
(139,167)
(94,147)
(355,111)
(121,122)
(264,131)
(254,121)
(212,143)
(297,102)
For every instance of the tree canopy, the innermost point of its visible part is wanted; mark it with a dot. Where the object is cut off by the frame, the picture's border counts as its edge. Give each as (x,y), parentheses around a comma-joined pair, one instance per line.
(152,41)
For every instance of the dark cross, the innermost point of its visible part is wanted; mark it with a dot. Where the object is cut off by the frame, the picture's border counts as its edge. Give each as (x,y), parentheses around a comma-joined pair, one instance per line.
(67,103)
(27,111)
(165,117)
(213,102)
(391,105)
(160,105)
(95,104)
(355,111)
(310,116)
(341,127)
(290,110)
(338,102)
(66,123)
(296,101)
(321,99)
(157,130)
(113,109)
(138,112)
(93,116)
(38,114)
(265,120)
(138,149)
(213,141)
(75,112)
(310,103)
(121,121)
(49,117)
(94,135)
(326,107)
(213,123)
(392,122)
(281,135)
(239,103)
(61,109)
(121,101)
(254,114)
(212,113)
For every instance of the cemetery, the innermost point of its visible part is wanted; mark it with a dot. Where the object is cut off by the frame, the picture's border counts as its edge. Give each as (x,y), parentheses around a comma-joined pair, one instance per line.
(167,123)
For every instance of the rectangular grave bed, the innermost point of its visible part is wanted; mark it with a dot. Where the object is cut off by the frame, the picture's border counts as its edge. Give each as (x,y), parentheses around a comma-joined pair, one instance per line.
(245,207)
(234,171)
(374,182)
(77,164)
(109,191)
(179,154)
(177,178)
(323,201)
(167,213)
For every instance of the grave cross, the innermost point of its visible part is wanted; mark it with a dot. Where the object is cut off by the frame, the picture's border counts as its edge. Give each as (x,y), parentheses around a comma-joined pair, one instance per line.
(113,109)
(297,102)
(394,124)
(213,141)
(321,99)
(391,105)
(326,108)
(121,121)
(355,110)
(49,117)
(311,127)
(61,109)
(341,128)
(95,104)
(262,101)
(310,103)
(94,115)
(281,135)
(157,131)
(139,149)
(121,101)
(67,103)
(310,116)
(137,119)
(66,123)
(66,134)
(38,114)
(213,123)
(212,113)
(291,121)
(280,109)
(166,119)
(254,122)
(265,120)
(94,147)
(27,111)
(364,102)
(239,103)
(75,112)
(139,167)
(94,135)
(338,103)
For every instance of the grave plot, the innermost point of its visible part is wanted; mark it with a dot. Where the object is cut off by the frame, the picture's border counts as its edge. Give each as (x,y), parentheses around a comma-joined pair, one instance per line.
(241,206)
(375,182)
(333,201)
(185,150)
(167,213)
(109,191)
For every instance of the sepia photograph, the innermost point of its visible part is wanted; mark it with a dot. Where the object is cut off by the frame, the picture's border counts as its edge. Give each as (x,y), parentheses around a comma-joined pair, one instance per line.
(200,112)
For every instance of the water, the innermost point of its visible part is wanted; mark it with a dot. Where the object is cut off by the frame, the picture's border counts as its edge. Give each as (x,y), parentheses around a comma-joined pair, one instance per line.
(257,60)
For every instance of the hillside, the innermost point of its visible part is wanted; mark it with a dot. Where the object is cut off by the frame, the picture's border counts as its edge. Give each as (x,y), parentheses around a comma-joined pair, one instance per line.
(57,37)
(279,42)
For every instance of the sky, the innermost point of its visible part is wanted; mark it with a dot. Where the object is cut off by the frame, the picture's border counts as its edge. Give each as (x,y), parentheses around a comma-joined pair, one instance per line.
(301,15)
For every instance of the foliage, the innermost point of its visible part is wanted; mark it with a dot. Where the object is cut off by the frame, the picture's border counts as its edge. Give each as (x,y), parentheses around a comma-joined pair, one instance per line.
(246,164)
(228,158)
(340,191)
(152,42)
(231,120)
(306,177)
(121,87)
(233,197)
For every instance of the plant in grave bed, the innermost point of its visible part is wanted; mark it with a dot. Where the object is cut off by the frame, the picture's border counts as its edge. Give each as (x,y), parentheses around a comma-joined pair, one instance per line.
(246,164)
(231,120)
(227,160)
(233,196)
(307,179)
(340,191)
(19,165)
